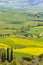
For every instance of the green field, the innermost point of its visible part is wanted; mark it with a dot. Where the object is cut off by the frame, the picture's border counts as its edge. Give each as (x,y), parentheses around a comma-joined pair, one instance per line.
(17,30)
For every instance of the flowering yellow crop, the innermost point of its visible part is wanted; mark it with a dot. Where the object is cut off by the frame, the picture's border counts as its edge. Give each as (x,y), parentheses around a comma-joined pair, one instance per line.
(39,27)
(25,42)
(2,45)
(28,50)
(32,47)
(33,51)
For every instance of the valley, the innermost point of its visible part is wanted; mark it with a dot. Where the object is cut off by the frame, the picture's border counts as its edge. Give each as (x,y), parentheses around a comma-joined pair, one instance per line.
(23,31)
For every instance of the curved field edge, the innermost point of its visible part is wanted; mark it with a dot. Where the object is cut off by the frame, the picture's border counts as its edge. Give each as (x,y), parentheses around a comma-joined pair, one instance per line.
(2,45)
(21,54)
(22,43)
(33,51)
(25,46)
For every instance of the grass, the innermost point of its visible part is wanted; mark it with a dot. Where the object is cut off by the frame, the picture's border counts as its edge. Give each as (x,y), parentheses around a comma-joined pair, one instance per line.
(32,46)
(21,54)
(14,21)
(2,45)
(20,41)
(36,30)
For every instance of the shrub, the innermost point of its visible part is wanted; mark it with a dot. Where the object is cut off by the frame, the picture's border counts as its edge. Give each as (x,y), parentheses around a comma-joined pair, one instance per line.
(26,58)
(40,57)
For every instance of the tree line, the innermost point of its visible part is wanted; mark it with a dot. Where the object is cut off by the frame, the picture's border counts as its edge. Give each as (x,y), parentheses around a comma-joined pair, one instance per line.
(6,55)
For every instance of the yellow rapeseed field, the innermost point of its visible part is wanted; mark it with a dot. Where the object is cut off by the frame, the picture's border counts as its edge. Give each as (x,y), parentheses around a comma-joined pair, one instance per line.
(29,50)
(39,27)
(2,45)
(33,51)
(25,41)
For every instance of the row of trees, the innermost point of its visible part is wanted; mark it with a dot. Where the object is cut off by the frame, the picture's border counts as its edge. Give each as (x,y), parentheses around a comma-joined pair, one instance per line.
(7,55)
(5,35)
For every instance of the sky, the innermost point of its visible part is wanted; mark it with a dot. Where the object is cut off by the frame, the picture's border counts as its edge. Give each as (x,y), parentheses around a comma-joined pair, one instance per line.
(22,4)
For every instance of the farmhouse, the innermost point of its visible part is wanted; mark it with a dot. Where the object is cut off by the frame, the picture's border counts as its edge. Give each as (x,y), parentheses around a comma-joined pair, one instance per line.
(41,35)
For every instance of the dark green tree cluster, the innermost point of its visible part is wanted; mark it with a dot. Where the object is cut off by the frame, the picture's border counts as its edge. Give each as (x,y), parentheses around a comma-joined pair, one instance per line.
(8,56)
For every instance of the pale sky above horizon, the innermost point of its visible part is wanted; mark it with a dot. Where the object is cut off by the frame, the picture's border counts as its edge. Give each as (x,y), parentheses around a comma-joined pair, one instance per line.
(29,4)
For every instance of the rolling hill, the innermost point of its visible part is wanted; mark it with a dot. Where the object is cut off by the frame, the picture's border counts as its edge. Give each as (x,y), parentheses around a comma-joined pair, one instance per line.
(27,47)
(14,25)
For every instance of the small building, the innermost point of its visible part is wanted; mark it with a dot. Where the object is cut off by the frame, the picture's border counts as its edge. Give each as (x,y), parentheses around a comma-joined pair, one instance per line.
(41,35)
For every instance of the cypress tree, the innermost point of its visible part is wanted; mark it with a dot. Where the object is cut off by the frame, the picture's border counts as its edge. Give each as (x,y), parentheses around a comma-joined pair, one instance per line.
(4,55)
(7,54)
(3,59)
(11,58)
